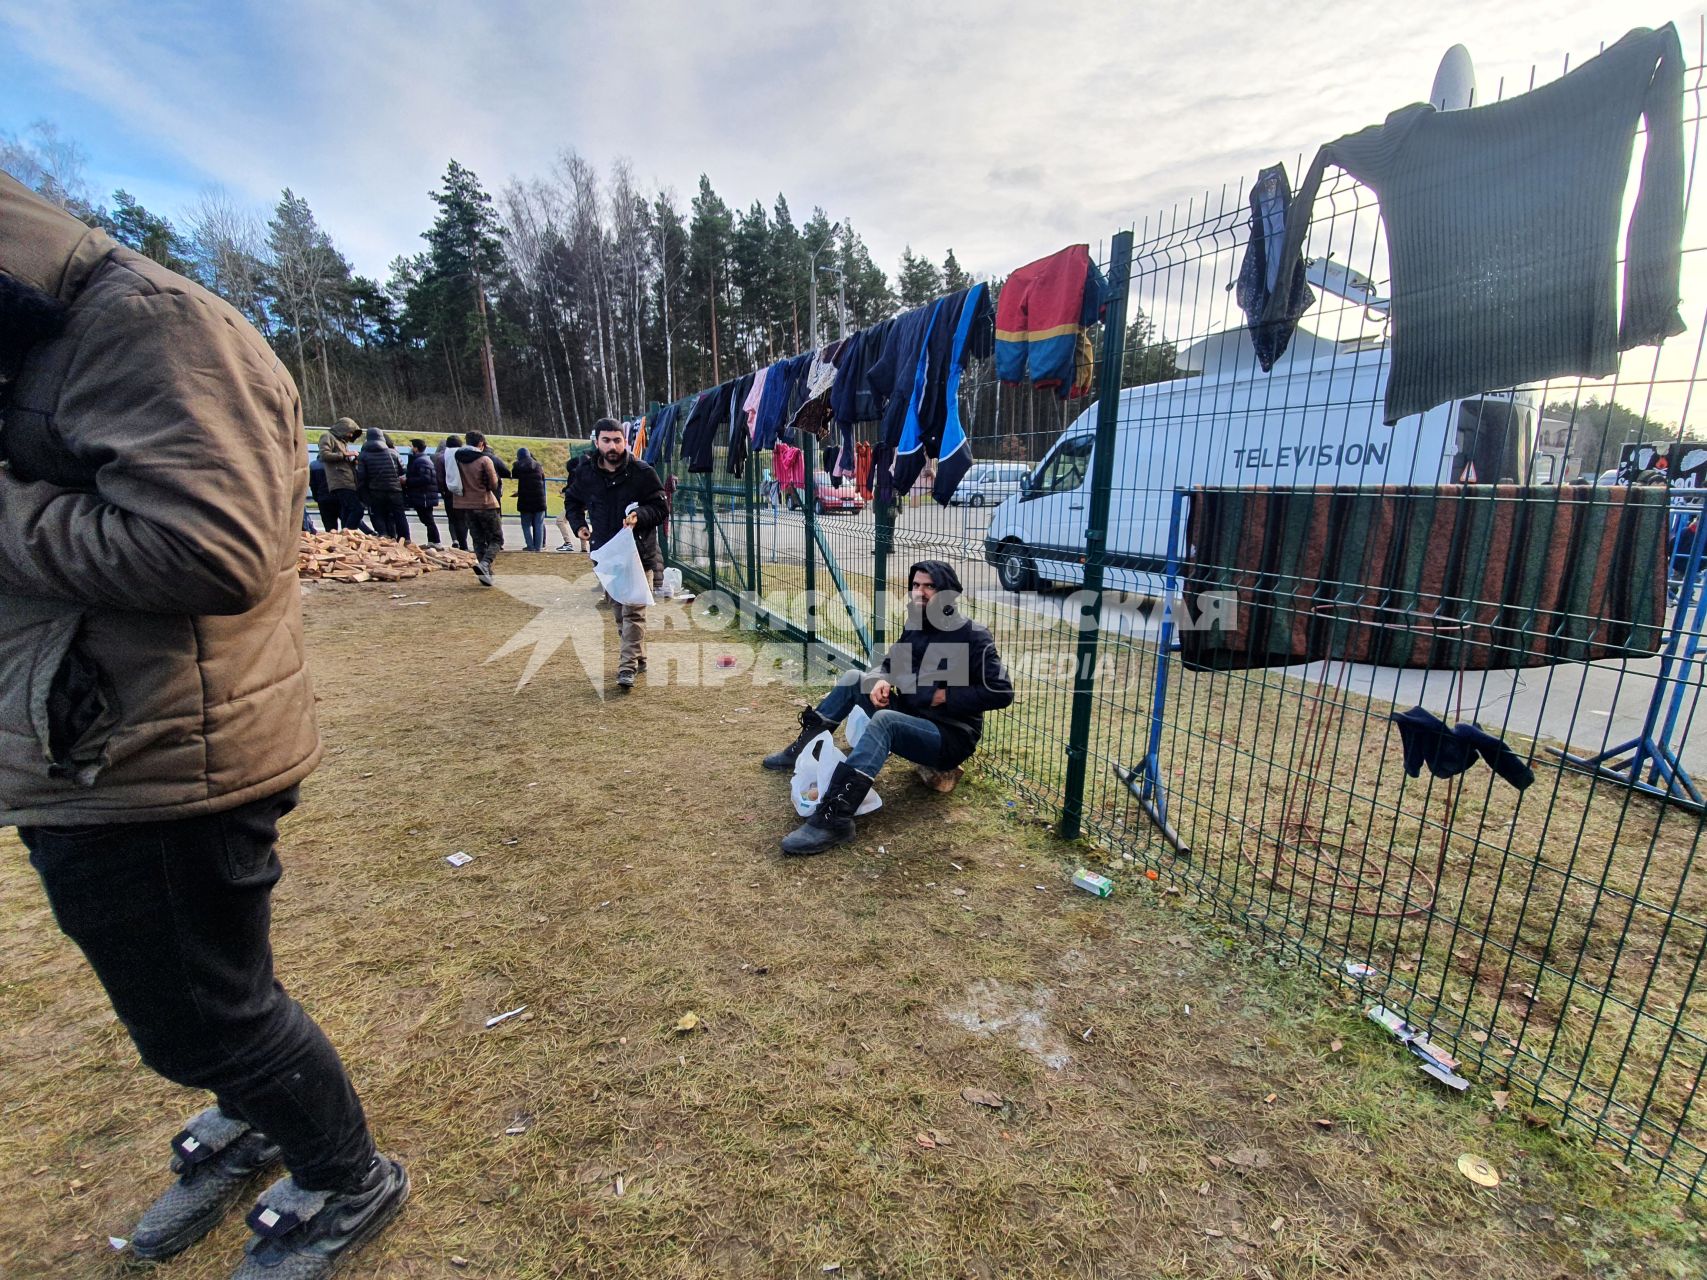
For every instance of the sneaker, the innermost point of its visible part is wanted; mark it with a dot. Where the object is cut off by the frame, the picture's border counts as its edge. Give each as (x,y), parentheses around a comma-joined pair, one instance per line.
(625,680)
(216,1159)
(483,571)
(304,1235)
(566,547)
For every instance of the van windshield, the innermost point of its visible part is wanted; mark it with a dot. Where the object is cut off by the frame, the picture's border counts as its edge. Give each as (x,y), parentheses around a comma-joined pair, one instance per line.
(1066,467)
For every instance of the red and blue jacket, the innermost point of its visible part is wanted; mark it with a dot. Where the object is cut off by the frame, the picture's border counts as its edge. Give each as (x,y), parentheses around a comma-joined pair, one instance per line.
(1043,308)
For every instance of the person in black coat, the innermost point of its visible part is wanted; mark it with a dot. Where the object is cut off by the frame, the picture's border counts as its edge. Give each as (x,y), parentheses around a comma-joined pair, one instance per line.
(530,499)
(379,484)
(421,488)
(607,490)
(926,699)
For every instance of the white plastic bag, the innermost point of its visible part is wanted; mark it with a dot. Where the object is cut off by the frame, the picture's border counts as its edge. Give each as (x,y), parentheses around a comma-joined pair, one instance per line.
(672,583)
(854,726)
(619,568)
(812,772)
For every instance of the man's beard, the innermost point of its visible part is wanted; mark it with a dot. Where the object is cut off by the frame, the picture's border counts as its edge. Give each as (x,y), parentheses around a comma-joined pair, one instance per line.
(612,455)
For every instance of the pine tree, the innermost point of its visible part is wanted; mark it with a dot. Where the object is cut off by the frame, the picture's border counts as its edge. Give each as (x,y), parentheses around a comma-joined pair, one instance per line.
(148,233)
(953,278)
(463,249)
(918,282)
(709,238)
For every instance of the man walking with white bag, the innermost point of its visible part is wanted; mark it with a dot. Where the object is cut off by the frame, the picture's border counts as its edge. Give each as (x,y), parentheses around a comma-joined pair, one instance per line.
(618,491)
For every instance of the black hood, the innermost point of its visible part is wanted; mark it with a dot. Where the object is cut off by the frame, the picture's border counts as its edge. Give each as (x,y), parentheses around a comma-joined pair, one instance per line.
(943,612)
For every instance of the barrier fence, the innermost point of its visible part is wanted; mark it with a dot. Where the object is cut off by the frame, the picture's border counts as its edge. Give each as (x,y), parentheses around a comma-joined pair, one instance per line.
(1215,587)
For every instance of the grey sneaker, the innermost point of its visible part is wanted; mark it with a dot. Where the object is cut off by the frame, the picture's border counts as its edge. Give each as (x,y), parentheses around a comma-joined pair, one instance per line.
(216,1159)
(483,571)
(625,680)
(305,1235)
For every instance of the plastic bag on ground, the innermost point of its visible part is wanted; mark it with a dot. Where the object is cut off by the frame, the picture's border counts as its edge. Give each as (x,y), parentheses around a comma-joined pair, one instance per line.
(812,772)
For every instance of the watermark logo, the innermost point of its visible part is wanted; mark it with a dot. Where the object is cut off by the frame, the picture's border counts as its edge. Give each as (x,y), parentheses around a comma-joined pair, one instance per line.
(716,637)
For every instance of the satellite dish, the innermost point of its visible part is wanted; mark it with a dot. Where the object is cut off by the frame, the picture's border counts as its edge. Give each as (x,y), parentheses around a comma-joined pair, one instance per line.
(1455,81)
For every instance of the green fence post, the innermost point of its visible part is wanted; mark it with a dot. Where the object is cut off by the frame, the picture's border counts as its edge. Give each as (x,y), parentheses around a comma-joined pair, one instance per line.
(880,578)
(751,474)
(710,531)
(1096,533)
(809,505)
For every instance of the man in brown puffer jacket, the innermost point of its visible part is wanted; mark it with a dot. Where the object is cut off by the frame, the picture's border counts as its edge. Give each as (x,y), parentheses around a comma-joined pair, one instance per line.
(156,715)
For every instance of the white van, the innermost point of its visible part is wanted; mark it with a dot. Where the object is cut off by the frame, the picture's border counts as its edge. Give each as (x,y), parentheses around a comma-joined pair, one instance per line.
(1314,419)
(987,483)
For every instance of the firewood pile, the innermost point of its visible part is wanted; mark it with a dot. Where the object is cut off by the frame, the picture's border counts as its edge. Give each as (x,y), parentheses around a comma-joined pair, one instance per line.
(345,555)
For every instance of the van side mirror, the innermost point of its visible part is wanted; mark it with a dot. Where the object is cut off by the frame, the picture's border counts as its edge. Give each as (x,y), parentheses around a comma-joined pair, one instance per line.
(1025,483)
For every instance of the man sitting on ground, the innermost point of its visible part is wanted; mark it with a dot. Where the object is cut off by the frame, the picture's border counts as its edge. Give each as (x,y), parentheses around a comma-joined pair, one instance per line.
(926,699)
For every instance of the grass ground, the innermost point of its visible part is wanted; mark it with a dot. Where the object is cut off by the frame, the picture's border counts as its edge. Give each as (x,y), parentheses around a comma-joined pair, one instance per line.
(1558,950)
(1172,1104)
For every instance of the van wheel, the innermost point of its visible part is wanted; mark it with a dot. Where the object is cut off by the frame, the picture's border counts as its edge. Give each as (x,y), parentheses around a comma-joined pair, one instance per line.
(977,500)
(1014,569)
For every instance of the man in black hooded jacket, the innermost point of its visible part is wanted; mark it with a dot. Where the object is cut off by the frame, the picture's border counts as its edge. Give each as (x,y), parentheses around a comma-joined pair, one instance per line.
(926,699)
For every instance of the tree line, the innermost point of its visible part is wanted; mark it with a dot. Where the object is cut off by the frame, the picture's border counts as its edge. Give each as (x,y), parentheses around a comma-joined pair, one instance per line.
(562,299)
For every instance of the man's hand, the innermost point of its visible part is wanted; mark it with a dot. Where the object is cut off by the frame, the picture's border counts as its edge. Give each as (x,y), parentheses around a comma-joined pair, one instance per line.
(880,693)
(939,697)
(631,519)
(584,534)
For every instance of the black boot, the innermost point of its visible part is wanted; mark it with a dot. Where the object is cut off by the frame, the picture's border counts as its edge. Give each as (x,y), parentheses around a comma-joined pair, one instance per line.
(811,725)
(216,1158)
(833,822)
(304,1235)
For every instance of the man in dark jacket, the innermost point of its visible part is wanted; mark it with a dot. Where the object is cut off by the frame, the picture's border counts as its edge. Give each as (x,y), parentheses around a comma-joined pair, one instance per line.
(608,489)
(926,699)
(421,488)
(338,463)
(157,716)
(379,484)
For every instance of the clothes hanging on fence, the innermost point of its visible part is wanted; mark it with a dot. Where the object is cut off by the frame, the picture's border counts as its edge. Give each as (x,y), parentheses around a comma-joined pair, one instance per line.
(852,398)
(750,404)
(1448,752)
(740,439)
(710,412)
(1502,226)
(788,467)
(1260,273)
(1455,577)
(661,439)
(774,404)
(814,413)
(862,470)
(1041,316)
(962,329)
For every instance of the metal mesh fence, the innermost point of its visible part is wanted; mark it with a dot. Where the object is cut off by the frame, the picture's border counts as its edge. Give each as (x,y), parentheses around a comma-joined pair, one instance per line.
(1490,563)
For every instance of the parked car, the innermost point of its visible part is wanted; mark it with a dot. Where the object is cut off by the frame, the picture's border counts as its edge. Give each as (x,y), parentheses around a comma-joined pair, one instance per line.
(830,495)
(987,483)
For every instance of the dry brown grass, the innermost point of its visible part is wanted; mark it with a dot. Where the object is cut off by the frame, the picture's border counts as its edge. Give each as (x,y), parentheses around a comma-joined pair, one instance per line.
(781,1138)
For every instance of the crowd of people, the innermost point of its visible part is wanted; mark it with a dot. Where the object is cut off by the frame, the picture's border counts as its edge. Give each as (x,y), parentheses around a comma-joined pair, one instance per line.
(154,683)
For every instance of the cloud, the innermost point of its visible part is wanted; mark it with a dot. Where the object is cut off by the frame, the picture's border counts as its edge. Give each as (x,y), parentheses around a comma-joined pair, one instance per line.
(1003,129)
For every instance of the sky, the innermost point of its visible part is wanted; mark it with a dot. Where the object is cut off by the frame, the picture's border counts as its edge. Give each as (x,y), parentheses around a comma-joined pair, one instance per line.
(1003,130)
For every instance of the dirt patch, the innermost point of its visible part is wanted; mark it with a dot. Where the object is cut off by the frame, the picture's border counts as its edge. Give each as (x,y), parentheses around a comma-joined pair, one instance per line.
(780,1137)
